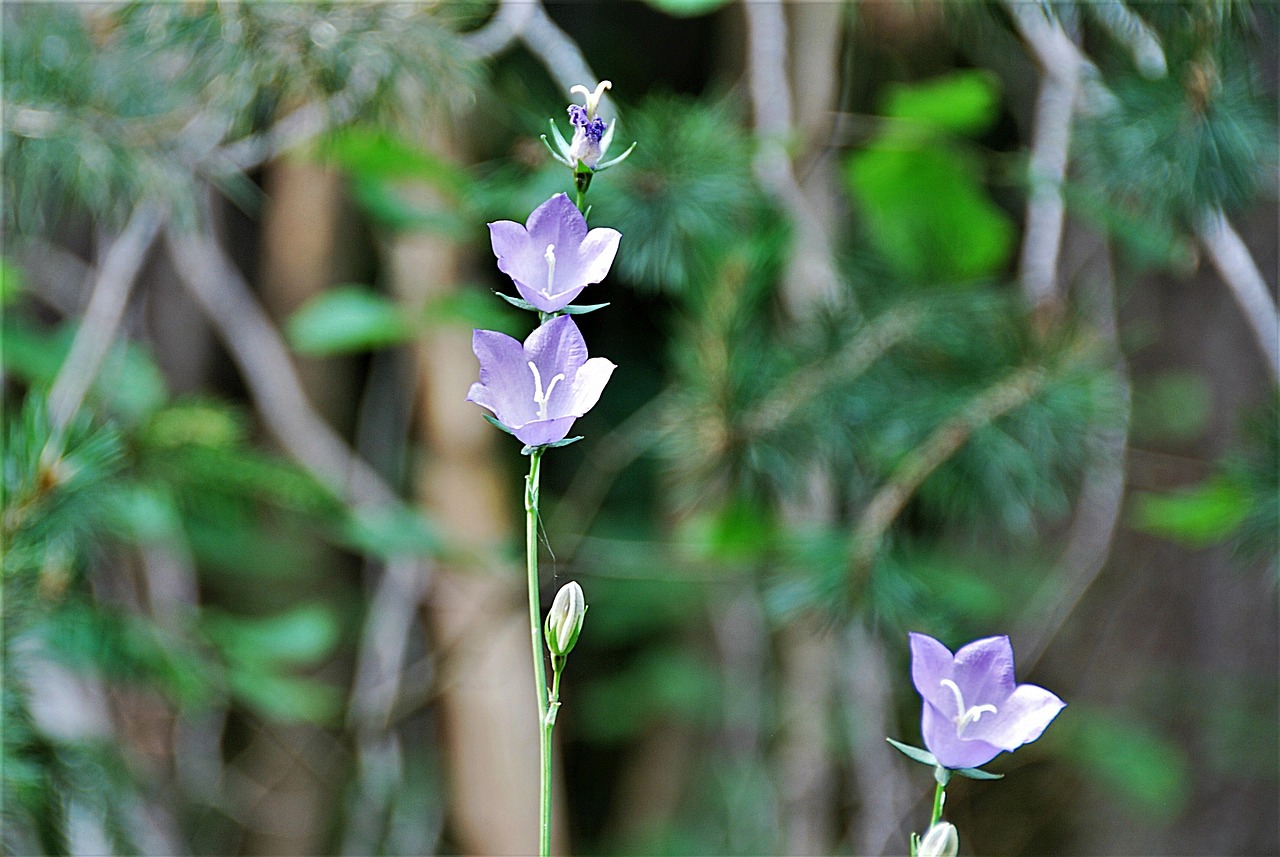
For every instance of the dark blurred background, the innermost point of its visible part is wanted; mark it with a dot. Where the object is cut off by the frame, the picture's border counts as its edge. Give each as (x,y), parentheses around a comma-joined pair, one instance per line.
(957,318)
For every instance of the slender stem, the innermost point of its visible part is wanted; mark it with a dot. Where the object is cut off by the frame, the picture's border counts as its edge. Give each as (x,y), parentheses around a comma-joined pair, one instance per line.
(535,629)
(939,795)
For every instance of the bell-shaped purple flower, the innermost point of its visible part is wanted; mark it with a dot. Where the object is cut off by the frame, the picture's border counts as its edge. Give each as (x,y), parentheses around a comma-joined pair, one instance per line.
(553,258)
(973,709)
(539,388)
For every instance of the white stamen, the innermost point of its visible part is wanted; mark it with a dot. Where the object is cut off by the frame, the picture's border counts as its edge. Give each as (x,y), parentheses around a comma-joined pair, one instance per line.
(964,715)
(541,398)
(550,256)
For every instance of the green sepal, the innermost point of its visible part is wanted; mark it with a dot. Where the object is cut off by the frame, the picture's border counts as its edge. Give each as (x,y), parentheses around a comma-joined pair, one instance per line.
(518,302)
(559,157)
(612,162)
(580,309)
(977,774)
(924,757)
(494,421)
(561,142)
(528,450)
(942,775)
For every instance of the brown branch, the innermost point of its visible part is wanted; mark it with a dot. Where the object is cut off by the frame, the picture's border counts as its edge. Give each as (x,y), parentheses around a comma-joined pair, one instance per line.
(260,353)
(945,441)
(112,286)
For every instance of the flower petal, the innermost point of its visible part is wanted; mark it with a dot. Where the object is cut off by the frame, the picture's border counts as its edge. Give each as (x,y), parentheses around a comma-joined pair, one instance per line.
(595,257)
(541,432)
(548,303)
(588,384)
(516,254)
(984,671)
(951,751)
(557,221)
(931,662)
(506,384)
(556,347)
(1022,718)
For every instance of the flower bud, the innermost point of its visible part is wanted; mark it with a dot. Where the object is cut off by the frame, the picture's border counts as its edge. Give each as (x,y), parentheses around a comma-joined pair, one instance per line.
(564,622)
(940,840)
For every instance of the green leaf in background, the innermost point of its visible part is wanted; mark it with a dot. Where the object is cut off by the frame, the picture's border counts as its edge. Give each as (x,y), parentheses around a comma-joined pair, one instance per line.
(11,282)
(392,531)
(926,211)
(143,513)
(964,102)
(1172,406)
(346,319)
(1148,771)
(474,307)
(1197,518)
(301,636)
(687,8)
(368,152)
(129,383)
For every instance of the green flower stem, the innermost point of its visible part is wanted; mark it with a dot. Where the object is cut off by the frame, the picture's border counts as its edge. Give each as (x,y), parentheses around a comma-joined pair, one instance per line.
(535,626)
(939,795)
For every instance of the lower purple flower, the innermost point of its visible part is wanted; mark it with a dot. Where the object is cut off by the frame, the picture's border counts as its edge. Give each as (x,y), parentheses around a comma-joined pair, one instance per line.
(539,388)
(973,709)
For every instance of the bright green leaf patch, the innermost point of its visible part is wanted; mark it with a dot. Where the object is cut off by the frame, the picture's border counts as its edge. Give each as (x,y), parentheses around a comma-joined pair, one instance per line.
(347,319)
(965,102)
(926,211)
(687,8)
(1197,518)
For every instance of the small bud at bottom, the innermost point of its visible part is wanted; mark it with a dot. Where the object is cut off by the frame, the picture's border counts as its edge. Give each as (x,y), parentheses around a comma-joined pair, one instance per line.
(940,840)
(564,621)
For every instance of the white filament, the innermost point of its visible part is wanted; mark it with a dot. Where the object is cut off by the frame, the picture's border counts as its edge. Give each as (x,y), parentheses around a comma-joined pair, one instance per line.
(550,256)
(541,398)
(965,716)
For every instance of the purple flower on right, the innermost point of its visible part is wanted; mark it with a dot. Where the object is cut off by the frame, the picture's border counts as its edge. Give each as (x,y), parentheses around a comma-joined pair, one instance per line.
(973,708)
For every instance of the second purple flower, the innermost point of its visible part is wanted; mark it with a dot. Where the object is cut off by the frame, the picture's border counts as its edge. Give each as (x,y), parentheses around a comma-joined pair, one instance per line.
(537,389)
(553,257)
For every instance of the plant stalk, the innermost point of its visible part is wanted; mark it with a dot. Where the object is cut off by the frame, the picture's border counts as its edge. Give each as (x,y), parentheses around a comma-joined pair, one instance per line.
(535,629)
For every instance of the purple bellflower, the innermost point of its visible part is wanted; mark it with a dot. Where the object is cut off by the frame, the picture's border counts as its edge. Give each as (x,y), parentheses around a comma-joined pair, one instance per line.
(591,134)
(536,390)
(553,258)
(973,710)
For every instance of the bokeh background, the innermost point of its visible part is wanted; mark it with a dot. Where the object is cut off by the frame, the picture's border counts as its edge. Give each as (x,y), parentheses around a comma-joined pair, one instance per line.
(957,318)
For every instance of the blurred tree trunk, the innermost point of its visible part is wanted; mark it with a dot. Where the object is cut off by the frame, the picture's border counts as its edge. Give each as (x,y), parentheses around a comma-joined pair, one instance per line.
(290,769)
(478,612)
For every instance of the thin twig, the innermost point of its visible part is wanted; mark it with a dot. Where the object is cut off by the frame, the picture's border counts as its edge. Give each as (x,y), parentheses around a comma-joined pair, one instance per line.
(110,295)
(1131,31)
(1101,498)
(264,362)
(811,278)
(1046,212)
(506,25)
(1235,265)
(945,441)
(559,54)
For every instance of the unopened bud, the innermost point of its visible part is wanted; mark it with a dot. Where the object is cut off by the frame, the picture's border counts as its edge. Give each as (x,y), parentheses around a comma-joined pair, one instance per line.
(564,622)
(940,840)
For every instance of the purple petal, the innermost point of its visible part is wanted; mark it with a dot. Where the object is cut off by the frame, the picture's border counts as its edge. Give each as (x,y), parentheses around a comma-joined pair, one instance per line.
(951,751)
(540,432)
(931,662)
(556,347)
(984,671)
(1021,719)
(595,257)
(506,384)
(557,221)
(544,301)
(516,254)
(588,384)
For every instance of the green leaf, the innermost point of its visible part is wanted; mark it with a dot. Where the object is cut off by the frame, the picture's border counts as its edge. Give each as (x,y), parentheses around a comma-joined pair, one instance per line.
(1150,772)
(280,696)
(11,282)
(687,8)
(303,635)
(497,423)
(924,757)
(370,153)
(964,102)
(927,213)
(347,319)
(1173,406)
(389,531)
(1197,518)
